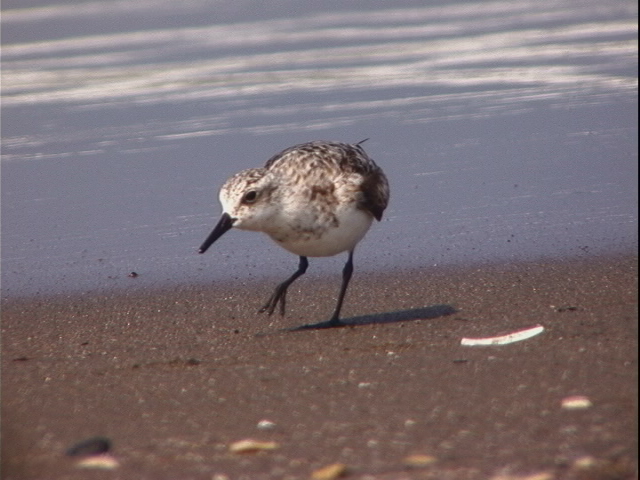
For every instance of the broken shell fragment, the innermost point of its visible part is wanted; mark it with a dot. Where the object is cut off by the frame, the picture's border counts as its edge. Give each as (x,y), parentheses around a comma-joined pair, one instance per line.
(504,339)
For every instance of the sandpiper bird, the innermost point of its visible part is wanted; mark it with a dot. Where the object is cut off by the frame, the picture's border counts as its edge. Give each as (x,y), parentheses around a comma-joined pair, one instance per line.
(315,199)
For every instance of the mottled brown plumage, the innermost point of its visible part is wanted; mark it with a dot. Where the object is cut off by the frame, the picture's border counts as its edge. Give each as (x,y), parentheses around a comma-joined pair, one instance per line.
(314,199)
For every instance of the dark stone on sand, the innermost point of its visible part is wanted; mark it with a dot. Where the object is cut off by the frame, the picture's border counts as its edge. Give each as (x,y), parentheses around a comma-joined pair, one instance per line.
(90,446)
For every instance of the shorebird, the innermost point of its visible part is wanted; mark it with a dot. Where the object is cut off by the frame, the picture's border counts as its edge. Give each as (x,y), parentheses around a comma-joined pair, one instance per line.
(316,199)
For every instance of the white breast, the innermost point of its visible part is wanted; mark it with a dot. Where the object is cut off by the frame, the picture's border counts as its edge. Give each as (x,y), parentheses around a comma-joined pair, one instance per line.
(352,226)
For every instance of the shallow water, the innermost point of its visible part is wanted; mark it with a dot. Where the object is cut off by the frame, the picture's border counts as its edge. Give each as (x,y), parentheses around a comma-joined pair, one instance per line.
(508,131)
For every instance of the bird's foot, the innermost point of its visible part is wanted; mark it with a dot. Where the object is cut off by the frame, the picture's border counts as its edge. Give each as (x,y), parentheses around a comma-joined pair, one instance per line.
(279,297)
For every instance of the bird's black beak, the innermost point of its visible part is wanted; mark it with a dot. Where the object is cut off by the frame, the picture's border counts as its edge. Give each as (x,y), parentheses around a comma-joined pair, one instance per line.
(224,224)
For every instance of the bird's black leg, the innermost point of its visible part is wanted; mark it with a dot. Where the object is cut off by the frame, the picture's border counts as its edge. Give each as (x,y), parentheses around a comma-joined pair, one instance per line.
(346,276)
(280,293)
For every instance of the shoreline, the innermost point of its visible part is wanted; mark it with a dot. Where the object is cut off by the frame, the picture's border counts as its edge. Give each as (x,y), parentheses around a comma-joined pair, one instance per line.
(174,376)
(254,281)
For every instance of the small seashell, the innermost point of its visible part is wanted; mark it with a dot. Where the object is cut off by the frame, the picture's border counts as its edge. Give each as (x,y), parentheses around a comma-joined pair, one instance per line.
(533,476)
(266,425)
(419,460)
(330,472)
(576,402)
(251,446)
(101,462)
(584,463)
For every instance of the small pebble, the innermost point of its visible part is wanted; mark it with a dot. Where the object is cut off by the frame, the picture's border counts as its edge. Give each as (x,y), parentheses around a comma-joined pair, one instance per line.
(566,309)
(91,446)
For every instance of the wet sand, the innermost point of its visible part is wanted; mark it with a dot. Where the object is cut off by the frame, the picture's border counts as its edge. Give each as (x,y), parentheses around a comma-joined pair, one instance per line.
(172,378)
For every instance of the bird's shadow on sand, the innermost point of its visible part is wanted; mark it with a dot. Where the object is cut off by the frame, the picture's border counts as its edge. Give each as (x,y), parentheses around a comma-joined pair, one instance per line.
(423,313)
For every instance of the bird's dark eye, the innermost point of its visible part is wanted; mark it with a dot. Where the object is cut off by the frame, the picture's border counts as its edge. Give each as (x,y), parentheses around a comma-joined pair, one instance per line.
(250,197)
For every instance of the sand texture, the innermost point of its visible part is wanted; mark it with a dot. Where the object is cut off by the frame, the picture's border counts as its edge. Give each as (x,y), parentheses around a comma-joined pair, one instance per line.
(174,378)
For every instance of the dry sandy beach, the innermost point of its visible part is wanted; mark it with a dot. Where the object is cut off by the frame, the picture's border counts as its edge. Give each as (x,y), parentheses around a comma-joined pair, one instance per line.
(173,378)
